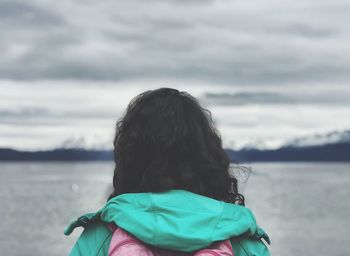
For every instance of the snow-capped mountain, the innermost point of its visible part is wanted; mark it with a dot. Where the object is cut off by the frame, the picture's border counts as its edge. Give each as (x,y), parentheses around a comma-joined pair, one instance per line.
(88,143)
(321,139)
(328,147)
(98,143)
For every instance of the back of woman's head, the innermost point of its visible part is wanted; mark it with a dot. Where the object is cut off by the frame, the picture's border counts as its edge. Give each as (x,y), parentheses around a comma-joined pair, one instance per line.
(166,140)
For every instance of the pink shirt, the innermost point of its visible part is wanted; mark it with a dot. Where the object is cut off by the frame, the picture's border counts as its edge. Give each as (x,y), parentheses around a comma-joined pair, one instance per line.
(125,244)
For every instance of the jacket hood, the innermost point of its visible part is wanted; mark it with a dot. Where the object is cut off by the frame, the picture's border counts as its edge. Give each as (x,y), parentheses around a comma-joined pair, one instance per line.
(180,220)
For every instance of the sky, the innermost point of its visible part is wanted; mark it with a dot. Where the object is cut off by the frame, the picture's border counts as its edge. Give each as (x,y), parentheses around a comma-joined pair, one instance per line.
(269,71)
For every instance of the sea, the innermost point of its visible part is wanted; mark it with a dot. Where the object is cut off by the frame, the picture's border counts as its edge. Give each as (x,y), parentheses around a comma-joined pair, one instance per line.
(304,207)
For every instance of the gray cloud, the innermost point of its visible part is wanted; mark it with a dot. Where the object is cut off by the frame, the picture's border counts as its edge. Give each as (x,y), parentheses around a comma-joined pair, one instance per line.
(27,112)
(246,98)
(307,31)
(217,41)
(272,98)
(27,15)
(32,115)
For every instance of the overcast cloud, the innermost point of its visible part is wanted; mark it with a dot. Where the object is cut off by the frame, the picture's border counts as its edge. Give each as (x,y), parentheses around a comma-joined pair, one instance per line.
(235,42)
(269,70)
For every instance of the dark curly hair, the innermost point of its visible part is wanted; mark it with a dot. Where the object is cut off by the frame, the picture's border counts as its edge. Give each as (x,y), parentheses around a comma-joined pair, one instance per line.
(166,140)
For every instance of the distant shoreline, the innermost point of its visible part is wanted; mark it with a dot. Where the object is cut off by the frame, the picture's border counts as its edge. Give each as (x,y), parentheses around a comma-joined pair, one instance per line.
(336,152)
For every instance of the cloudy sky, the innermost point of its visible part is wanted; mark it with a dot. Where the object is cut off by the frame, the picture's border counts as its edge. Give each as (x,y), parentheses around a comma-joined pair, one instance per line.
(268,70)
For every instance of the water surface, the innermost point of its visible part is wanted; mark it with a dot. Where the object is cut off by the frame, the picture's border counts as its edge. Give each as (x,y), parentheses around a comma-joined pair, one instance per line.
(304,207)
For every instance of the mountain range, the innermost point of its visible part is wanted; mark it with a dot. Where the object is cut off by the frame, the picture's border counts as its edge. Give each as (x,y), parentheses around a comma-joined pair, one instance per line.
(332,146)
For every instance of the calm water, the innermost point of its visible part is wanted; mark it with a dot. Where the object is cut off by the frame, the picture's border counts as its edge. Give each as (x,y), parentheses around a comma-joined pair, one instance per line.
(304,207)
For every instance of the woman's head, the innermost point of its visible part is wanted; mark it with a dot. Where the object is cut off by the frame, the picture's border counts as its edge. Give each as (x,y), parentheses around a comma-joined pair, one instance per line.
(166,140)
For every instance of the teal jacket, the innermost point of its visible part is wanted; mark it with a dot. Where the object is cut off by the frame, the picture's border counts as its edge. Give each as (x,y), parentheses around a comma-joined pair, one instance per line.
(175,219)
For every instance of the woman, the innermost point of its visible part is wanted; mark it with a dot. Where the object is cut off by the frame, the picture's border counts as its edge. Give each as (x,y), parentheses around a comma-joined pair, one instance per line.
(173,192)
